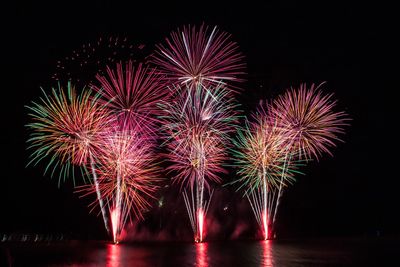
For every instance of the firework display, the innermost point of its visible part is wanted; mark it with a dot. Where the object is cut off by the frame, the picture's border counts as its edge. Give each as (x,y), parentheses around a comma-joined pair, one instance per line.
(197,126)
(283,135)
(261,157)
(127,174)
(180,112)
(66,128)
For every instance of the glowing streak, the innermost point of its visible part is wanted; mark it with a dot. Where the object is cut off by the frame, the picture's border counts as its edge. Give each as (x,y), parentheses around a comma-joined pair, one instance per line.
(114,222)
(118,207)
(66,128)
(197,125)
(296,127)
(99,198)
(201,224)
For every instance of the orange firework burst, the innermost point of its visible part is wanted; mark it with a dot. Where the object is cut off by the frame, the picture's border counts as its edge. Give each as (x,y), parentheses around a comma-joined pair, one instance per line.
(308,116)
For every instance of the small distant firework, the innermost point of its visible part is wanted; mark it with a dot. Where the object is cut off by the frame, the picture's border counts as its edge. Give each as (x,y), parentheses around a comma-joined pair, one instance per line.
(199,56)
(128,175)
(66,128)
(197,126)
(81,66)
(132,93)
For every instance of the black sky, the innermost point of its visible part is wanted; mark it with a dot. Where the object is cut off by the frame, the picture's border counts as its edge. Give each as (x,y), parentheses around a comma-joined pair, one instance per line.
(285,43)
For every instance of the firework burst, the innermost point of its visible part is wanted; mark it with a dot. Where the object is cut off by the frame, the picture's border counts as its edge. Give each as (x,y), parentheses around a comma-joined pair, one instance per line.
(128,174)
(83,63)
(261,159)
(199,56)
(298,125)
(66,128)
(310,119)
(197,126)
(311,123)
(132,93)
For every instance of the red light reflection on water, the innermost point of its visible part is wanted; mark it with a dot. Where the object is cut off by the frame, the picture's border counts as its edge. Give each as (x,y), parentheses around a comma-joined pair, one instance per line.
(265,225)
(113,255)
(201,255)
(267,258)
(114,224)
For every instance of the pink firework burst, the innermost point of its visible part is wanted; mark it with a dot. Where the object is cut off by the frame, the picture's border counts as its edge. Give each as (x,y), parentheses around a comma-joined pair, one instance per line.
(132,94)
(197,126)
(128,174)
(66,126)
(203,55)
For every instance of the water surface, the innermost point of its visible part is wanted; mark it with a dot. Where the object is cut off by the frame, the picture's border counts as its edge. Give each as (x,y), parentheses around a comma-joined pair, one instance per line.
(316,252)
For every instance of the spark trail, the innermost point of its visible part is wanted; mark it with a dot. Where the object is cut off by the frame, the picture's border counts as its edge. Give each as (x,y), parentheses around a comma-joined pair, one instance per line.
(283,135)
(66,128)
(196,133)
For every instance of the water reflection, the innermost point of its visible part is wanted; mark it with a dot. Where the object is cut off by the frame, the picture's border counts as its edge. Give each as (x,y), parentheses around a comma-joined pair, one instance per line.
(201,254)
(235,253)
(113,255)
(267,256)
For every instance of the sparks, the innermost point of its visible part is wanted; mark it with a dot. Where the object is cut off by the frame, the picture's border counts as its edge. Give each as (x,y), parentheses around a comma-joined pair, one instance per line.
(196,127)
(66,129)
(132,93)
(128,175)
(200,56)
(200,220)
(283,135)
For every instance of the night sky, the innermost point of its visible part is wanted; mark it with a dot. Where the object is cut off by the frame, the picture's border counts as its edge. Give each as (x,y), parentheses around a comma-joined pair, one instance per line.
(285,43)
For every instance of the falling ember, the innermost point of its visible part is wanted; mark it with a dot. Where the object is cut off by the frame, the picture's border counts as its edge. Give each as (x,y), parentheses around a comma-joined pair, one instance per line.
(200,215)
(114,223)
(265,225)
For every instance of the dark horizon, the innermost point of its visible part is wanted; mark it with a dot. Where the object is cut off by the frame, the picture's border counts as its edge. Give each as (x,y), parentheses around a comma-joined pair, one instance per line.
(285,44)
